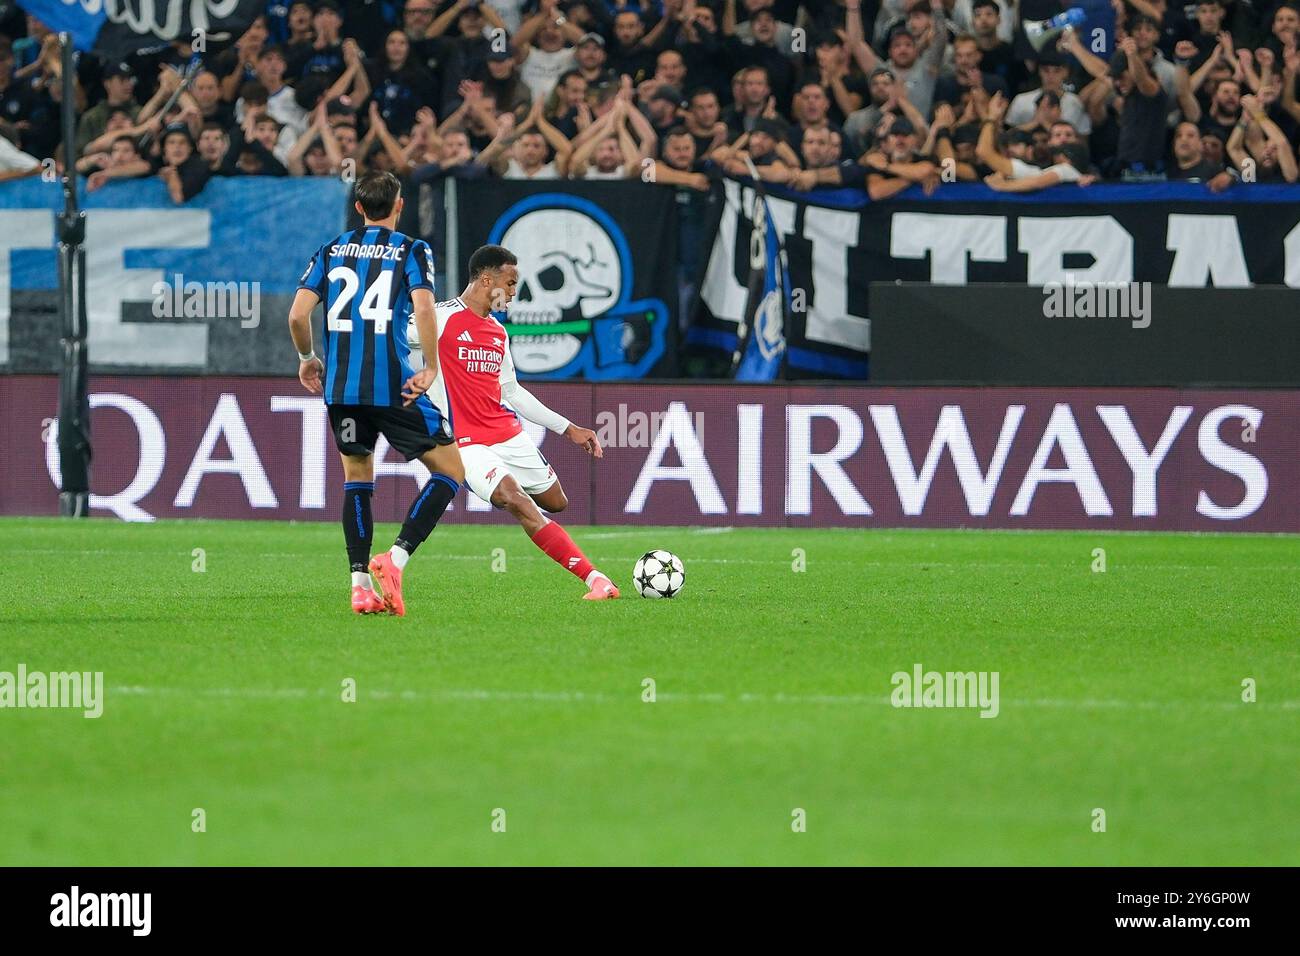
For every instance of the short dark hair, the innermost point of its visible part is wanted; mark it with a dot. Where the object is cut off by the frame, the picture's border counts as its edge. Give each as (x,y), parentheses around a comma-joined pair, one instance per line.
(676,131)
(124,138)
(1076,154)
(897,31)
(985,3)
(377,193)
(490,259)
(253,92)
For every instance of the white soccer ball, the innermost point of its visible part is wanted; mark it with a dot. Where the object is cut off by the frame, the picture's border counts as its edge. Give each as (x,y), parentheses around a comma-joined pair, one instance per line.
(659,574)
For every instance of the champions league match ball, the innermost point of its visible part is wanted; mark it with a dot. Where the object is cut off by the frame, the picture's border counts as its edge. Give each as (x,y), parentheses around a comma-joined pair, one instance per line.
(659,574)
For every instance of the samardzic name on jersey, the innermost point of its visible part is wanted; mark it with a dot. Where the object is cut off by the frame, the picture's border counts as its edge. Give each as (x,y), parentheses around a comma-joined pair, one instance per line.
(367,250)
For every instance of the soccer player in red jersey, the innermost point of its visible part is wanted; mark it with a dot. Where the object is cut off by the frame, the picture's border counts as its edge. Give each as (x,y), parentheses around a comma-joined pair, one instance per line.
(476,377)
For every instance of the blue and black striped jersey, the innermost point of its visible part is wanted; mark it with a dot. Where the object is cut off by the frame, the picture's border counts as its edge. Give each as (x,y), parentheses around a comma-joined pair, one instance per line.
(365,279)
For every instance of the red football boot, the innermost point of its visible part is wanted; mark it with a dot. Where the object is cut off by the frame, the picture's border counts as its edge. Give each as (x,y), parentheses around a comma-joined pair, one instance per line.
(602,589)
(389,578)
(366,601)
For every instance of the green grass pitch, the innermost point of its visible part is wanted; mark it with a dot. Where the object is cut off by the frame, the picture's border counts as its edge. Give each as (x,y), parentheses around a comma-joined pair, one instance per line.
(1119,690)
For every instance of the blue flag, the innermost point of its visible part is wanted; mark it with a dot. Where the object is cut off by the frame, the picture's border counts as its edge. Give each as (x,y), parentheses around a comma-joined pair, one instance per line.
(760,345)
(116,30)
(71,18)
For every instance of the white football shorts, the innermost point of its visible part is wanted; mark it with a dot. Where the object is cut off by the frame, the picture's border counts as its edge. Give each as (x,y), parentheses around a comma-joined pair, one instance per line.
(486,465)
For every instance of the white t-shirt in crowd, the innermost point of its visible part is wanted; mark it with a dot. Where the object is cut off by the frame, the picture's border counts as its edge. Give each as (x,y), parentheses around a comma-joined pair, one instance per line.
(515,171)
(594,173)
(13,159)
(1021,111)
(1064,171)
(1023,170)
(542,70)
(284,109)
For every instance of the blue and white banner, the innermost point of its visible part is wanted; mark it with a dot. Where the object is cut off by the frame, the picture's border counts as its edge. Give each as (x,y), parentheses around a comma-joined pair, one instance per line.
(202,287)
(838,243)
(760,346)
(824,330)
(117,28)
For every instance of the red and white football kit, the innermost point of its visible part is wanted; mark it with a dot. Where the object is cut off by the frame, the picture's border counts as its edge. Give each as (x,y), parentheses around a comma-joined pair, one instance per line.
(476,380)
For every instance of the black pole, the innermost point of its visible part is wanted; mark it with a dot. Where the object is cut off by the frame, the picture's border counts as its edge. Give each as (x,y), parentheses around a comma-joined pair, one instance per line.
(74,406)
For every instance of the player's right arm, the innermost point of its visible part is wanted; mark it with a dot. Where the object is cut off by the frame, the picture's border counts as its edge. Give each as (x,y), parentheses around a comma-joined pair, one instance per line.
(310,291)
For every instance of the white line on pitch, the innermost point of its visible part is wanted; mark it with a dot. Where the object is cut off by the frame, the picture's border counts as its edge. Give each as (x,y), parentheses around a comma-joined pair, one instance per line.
(972,565)
(597,697)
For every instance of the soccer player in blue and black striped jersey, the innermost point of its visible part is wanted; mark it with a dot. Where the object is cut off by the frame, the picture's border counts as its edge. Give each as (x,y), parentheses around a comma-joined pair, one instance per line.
(372,282)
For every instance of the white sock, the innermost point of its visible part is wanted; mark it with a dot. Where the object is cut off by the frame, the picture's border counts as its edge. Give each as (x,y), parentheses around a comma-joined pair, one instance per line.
(362,579)
(400,556)
(595,576)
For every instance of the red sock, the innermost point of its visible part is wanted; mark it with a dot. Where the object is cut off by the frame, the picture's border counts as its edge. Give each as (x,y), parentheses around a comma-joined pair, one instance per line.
(557,544)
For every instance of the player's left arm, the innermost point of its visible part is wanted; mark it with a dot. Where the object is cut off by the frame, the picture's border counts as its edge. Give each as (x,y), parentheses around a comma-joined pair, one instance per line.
(534,409)
(426,323)
(419,279)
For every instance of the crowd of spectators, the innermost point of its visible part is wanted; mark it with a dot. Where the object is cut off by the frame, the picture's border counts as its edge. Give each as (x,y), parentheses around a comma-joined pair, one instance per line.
(875,95)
